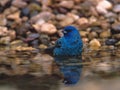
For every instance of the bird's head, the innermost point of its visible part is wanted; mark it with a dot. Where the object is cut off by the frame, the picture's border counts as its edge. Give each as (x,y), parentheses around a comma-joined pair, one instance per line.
(70,30)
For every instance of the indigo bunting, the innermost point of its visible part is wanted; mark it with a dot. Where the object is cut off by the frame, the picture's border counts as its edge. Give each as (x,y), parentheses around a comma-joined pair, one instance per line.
(70,44)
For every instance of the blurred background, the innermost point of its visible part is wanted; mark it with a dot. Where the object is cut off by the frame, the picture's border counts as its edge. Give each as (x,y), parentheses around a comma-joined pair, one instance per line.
(27,27)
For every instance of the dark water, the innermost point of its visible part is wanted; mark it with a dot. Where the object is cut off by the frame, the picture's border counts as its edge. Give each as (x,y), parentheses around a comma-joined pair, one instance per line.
(97,72)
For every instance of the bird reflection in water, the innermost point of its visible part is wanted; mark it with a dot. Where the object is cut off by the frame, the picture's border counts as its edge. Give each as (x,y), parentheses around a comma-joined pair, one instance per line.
(71,69)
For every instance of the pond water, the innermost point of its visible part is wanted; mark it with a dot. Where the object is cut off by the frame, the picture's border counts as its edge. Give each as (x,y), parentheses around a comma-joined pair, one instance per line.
(98,71)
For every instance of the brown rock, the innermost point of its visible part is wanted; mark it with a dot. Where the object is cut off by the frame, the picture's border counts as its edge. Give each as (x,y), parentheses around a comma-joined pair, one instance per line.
(94,44)
(83,21)
(43,15)
(67,4)
(12,34)
(48,28)
(103,6)
(3,31)
(92,35)
(14,16)
(105,34)
(60,17)
(83,33)
(5,40)
(69,19)
(3,20)
(4,2)
(19,3)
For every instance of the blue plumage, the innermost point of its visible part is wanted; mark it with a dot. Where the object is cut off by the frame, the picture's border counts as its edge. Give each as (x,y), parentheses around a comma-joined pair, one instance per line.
(70,44)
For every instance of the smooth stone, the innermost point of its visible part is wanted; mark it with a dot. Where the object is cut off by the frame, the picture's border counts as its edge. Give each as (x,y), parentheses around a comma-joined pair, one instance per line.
(48,28)
(42,15)
(19,3)
(5,40)
(4,2)
(94,44)
(25,11)
(3,31)
(116,36)
(116,8)
(45,2)
(34,7)
(44,39)
(12,34)
(83,33)
(60,17)
(92,35)
(66,21)
(105,34)
(83,21)
(103,6)
(17,43)
(42,46)
(22,49)
(10,10)
(3,20)
(110,14)
(14,16)
(115,28)
(69,19)
(34,36)
(111,41)
(67,4)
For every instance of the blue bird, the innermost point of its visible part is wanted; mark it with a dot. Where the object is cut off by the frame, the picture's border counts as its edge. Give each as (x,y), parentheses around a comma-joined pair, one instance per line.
(67,50)
(70,44)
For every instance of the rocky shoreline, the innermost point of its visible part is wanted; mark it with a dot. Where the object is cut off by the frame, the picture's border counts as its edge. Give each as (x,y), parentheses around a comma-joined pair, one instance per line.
(26,25)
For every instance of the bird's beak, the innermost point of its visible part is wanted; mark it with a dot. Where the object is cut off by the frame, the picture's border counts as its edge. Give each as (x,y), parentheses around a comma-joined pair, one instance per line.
(64,32)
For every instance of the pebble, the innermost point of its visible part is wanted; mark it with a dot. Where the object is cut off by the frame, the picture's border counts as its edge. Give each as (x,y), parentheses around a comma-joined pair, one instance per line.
(25,12)
(67,4)
(34,7)
(92,35)
(116,36)
(5,40)
(4,2)
(3,20)
(111,41)
(94,44)
(3,31)
(60,17)
(116,8)
(69,19)
(83,33)
(14,16)
(47,28)
(17,43)
(82,21)
(19,3)
(115,28)
(103,6)
(44,39)
(12,34)
(42,15)
(105,34)
(10,10)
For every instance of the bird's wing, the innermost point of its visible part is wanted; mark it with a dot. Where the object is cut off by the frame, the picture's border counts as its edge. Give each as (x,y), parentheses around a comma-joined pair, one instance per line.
(59,43)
